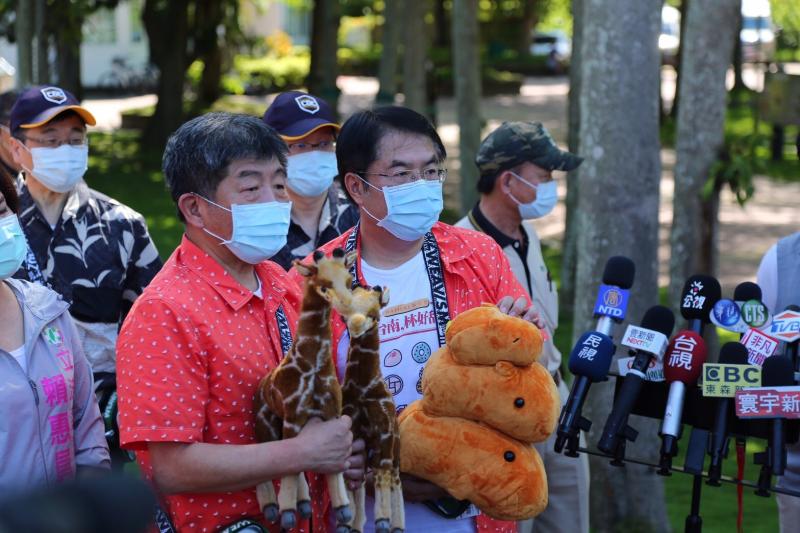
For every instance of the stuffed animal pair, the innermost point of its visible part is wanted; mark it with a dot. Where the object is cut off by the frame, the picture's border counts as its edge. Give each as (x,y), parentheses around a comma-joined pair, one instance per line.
(485,400)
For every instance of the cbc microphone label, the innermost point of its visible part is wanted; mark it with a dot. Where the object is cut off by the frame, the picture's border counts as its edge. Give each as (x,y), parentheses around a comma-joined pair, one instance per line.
(724,381)
(768,402)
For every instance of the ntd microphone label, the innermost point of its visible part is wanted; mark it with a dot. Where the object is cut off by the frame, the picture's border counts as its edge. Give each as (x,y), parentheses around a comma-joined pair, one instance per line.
(645,340)
(785,326)
(759,346)
(611,301)
(722,381)
(772,402)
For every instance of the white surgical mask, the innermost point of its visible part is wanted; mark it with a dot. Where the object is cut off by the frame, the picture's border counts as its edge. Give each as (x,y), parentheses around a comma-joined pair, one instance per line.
(311,173)
(411,208)
(13,246)
(546,199)
(259,230)
(59,169)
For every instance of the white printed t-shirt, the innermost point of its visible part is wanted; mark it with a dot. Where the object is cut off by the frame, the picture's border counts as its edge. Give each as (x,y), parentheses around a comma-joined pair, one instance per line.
(408,338)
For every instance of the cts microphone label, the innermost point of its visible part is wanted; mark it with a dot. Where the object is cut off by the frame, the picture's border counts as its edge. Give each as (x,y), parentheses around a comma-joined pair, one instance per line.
(723,381)
(768,402)
(645,340)
(785,326)
(759,346)
(611,301)
(755,314)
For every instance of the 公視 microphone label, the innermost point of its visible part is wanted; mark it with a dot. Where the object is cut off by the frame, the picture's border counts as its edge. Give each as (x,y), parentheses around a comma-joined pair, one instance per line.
(645,340)
(694,299)
(723,381)
(759,346)
(611,301)
(768,402)
(785,326)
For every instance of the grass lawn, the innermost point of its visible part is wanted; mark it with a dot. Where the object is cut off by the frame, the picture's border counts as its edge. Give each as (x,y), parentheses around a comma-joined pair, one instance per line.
(120,168)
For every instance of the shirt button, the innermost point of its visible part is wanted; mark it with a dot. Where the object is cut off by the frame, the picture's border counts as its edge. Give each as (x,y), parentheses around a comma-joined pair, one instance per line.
(516,244)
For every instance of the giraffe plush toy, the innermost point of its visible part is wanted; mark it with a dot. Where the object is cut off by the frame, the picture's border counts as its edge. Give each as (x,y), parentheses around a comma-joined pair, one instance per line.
(304,385)
(370,405)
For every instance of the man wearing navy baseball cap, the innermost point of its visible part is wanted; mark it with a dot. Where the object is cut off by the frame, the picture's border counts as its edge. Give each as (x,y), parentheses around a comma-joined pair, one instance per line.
(88,247)
(320,211)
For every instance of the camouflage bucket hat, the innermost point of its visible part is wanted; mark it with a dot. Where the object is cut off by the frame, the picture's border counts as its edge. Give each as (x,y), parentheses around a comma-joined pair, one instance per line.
(514,143)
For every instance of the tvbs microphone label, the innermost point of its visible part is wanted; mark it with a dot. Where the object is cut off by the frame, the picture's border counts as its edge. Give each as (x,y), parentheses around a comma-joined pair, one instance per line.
(759,346)
(611,301)
(768,402)
(723,381)
(785,326)
(645,340)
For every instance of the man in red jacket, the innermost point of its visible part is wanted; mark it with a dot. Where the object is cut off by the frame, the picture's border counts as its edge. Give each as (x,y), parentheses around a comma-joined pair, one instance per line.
(391,163)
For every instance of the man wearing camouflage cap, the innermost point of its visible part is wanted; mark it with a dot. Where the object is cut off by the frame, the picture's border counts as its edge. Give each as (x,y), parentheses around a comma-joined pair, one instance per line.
(516,163)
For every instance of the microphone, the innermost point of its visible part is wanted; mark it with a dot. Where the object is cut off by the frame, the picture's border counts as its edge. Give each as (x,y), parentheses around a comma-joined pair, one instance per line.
(731,353)
(683,363)
(612,296)
(699,295)
(589,363)
(650,341)
(747,290)
(777,371)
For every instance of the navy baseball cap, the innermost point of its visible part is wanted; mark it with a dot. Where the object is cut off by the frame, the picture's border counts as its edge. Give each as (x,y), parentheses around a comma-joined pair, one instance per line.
(39,105)
(295,114)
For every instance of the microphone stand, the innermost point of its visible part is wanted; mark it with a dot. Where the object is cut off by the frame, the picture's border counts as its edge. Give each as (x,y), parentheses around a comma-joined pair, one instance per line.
(695,457)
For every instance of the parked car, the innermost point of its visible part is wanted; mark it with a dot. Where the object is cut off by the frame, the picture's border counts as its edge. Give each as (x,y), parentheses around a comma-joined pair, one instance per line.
(670,37)
(758,32)
(554,45)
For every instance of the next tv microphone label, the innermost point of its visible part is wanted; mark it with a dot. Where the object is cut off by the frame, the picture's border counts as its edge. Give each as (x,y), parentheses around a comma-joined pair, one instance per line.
(768,402)
(611,302)
(722,381)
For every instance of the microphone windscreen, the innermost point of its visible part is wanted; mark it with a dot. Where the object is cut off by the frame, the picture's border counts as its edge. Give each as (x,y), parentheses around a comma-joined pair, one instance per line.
(684,358)
(792,307)
(777,371)
(733,353)
(659,318)
(746,290)
(699,295)
(619,272)
(591,356)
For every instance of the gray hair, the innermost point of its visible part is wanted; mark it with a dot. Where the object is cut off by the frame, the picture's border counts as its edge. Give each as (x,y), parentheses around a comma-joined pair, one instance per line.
(198,154)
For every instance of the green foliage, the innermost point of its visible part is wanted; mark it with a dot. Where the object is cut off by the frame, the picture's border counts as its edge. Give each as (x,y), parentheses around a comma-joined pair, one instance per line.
(736,167)
(269,74)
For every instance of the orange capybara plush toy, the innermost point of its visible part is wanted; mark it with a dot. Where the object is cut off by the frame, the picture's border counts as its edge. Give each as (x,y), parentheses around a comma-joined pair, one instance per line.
(485,400)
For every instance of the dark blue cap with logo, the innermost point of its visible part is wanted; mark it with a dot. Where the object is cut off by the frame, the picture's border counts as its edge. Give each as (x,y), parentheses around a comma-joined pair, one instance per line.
(39,105)
(295,114)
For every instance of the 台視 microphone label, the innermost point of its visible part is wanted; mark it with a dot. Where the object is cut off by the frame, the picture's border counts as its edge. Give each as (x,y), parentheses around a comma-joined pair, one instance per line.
(611,301)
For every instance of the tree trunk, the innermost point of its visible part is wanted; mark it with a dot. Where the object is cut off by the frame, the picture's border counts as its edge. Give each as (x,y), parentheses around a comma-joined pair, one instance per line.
(707,48)
(24,32)
(442,34)
(527,26)
(208,17)
(738,80)
(569,248)
(167,26)
(617,212)
(324,67)
(466,65)
(42,71)
(684,9)
(387,67)
(415,51)
(68,63)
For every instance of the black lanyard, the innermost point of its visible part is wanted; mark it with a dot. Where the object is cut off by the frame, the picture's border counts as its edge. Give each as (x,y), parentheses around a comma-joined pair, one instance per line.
(433,266)
(283,330)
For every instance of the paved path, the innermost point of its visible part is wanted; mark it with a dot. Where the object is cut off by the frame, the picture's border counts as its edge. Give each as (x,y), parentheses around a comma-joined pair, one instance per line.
(745,233)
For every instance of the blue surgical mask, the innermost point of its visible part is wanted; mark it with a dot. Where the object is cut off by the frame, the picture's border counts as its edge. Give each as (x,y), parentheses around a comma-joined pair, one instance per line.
(259,230)
(13,246)
(546,199)
(311,173)
(59,169)
(411,208)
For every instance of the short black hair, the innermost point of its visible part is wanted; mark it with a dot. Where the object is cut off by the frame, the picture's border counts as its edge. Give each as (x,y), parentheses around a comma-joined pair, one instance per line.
(7,100)
(198,154)
(9,191)
(357,144)
(487,180)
